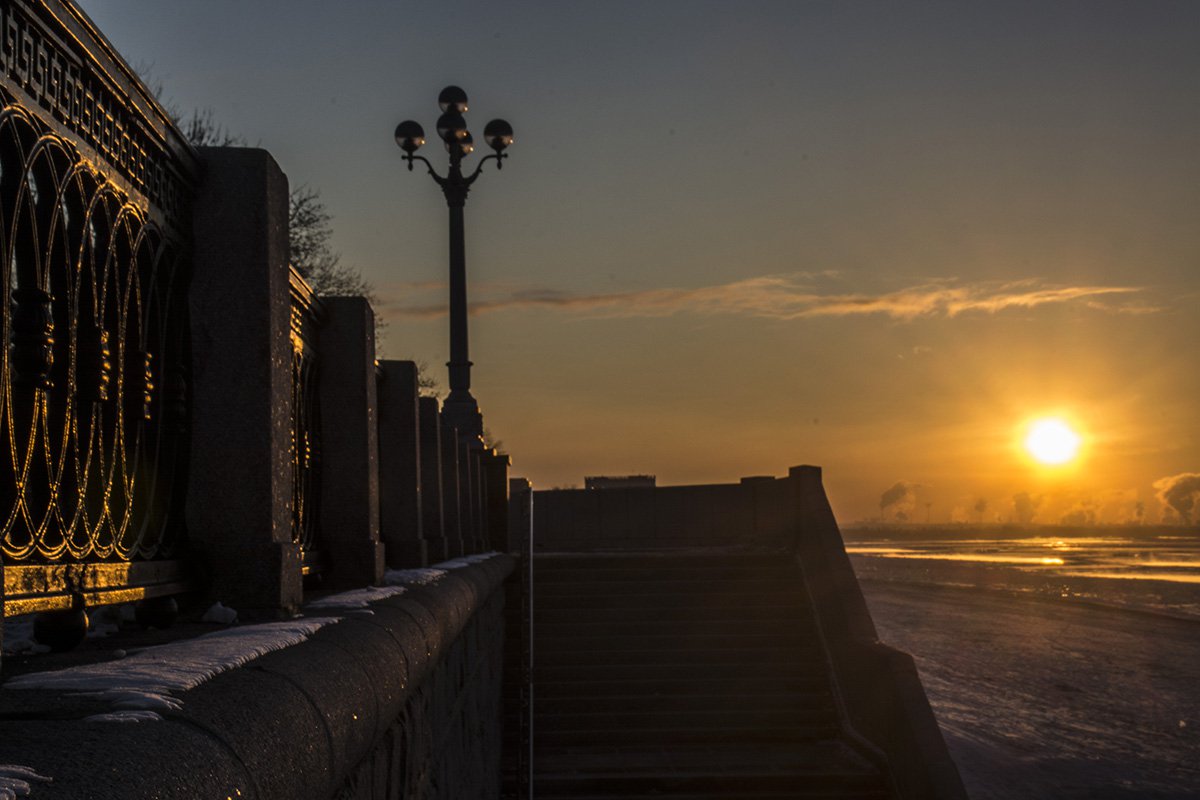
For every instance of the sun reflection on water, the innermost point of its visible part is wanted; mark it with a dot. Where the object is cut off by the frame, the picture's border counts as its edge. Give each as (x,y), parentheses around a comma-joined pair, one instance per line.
(986,558)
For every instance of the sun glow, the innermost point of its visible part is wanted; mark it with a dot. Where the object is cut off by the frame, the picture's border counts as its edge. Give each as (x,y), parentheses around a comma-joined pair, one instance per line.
(1051,441)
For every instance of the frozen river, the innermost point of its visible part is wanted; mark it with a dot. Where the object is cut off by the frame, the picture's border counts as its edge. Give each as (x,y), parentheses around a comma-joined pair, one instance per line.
(1048,684)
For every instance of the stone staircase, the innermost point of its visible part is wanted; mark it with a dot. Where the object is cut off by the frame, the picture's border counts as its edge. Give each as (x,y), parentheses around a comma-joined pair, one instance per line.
(684,676)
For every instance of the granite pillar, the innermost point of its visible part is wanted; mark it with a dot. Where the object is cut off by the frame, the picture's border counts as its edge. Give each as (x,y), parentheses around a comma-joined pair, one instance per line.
(482,539)
(400,466)
(520,518)
(495,481)
(239,496)
(467,486)
(349,444)
(479,537)
(451,489)
(431,479)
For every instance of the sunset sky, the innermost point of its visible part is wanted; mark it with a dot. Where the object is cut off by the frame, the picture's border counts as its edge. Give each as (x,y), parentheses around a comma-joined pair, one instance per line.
(734,237)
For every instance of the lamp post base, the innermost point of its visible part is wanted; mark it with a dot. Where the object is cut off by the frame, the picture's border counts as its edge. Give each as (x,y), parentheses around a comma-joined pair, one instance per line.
(462,412)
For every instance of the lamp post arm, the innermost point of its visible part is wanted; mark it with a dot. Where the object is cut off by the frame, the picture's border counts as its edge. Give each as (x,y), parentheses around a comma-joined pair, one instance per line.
(411,158)
(484,160)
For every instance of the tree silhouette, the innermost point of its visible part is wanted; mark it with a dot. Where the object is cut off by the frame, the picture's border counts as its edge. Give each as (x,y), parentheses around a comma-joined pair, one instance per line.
(310,225)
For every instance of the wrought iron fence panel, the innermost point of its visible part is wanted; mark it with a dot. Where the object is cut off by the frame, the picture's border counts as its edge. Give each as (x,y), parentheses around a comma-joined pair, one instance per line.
(94,255)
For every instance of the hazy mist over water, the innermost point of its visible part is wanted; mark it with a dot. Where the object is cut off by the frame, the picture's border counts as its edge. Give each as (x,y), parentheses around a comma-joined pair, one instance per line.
(1153,572)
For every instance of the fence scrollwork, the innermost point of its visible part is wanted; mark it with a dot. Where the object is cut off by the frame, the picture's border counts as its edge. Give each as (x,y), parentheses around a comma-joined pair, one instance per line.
(95,255)
(306,316)
(94,368)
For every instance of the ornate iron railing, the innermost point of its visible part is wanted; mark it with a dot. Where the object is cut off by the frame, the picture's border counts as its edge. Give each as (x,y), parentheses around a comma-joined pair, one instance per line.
(306,422)
(94,184)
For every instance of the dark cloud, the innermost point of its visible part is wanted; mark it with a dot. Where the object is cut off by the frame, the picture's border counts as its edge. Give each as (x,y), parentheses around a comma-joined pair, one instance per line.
(899,501)
(1180,494)
(1082,514)
(1025,507)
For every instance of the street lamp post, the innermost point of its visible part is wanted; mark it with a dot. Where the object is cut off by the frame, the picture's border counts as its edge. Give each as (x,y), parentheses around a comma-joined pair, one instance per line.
(460,408)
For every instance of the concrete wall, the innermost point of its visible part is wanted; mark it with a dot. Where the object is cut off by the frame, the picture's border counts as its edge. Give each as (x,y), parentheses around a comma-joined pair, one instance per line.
(755,512)
(883,704)
(878,687)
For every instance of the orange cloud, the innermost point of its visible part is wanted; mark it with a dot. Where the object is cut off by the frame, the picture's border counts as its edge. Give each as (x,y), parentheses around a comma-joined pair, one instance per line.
(787,297)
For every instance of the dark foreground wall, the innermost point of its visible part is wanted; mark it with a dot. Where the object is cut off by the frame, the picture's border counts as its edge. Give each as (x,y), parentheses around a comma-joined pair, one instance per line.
(881,694)
(401,703)
(881,701)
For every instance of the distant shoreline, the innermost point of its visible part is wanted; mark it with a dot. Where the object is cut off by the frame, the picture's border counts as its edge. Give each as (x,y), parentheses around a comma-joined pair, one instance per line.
(954,531)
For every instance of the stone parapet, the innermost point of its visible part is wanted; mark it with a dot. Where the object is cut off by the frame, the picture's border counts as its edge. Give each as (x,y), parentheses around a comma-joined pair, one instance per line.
(403,702)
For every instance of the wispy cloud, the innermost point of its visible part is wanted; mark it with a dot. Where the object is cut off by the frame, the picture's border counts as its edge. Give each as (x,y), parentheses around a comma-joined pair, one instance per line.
(792,297)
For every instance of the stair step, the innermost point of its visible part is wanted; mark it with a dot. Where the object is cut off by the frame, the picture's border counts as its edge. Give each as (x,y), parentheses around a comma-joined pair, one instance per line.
(642,573)
(546,671)
(666,560)
(672,627)
(834,784)
(798,792)
(785,794)
(759,758)
(689,716)
(640,686)
(823,768)
(784,659)
(685,676)
(544,614)
(570,704)
(683,642)
(589,582)
(558,741)
(651,603)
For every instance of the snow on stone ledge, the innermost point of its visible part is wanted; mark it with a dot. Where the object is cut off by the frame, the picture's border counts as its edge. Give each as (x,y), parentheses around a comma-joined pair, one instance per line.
(423,576)
(147,680)
(18,638)
(465,561)
(15,781)
(125,716)
(355,598)
(140,685)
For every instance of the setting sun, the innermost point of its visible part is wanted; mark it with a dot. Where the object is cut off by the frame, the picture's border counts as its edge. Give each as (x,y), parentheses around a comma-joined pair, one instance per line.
(1052,441)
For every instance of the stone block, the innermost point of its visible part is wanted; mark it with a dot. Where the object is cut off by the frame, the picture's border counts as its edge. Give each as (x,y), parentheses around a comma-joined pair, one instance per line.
(400,466)
(451,491)
(120,760)
(260,716)
(431,479)
(520,518)
(774,512)
(495,482)
(612,508)
(349,505)
(467,486)
(640,514)
(239,497)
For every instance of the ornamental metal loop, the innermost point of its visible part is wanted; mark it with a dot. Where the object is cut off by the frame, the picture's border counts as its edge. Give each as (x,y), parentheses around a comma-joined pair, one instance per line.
(306,315)
(93,413)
